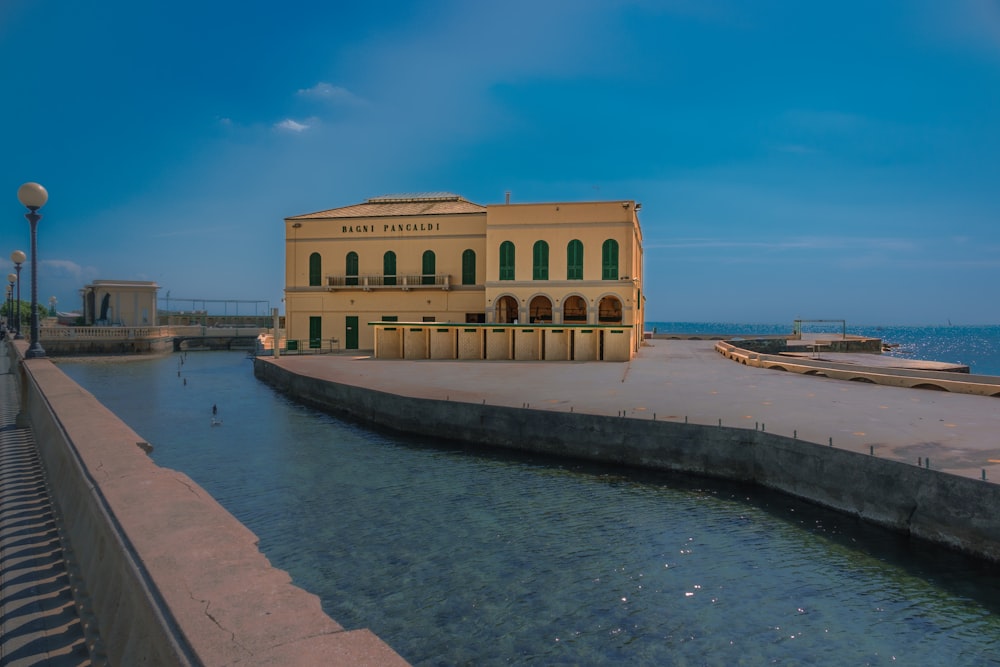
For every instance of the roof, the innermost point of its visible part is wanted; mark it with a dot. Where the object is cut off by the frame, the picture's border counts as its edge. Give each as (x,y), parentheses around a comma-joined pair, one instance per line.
(421,203)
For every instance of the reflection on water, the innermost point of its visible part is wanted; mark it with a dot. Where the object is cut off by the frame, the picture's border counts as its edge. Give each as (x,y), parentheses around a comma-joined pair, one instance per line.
(456,556)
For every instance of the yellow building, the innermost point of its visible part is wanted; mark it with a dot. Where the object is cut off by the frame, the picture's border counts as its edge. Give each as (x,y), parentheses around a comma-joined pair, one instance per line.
(532,281)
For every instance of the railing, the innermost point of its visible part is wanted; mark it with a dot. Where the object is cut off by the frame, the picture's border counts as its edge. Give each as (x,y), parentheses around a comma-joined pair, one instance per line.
(102,333)
(403,281)
(137,333)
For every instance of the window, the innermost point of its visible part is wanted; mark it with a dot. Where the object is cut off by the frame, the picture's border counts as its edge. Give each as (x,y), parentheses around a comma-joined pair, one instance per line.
(574,260)
(506,261)
(389,268)
(428,268)
(352,269)
(540,261)
(315,270)
(609,260)
(469,267)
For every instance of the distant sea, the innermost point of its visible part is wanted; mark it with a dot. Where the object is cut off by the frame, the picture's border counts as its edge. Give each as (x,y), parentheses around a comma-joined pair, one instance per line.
(977,347)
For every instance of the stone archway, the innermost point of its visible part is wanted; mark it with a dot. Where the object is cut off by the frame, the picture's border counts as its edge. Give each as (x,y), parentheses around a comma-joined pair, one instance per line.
(575,310)
(610,310)
(540,309)
(506,310)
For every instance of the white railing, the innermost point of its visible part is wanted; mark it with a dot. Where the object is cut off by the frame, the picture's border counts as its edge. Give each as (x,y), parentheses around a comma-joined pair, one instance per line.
(137,333)
(398,281)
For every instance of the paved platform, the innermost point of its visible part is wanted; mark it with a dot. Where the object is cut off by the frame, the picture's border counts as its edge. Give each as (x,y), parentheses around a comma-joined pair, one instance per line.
(688,379)
(38,618)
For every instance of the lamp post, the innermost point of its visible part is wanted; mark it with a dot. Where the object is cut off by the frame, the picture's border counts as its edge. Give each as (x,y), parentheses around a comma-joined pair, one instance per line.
(33,196)
(18,258)
(10,300)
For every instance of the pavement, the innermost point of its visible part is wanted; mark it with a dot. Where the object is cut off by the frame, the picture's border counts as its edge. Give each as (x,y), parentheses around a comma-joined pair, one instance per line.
(682,380)
(38,617)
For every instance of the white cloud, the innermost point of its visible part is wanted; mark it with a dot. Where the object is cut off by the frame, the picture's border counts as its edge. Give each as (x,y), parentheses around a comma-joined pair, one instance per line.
(291,125)
(331,93)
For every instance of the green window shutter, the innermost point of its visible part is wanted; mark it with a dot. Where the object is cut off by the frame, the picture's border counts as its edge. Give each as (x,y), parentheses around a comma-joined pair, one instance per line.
(315,270)
(469,267)
(428,268)
(352,269)
(574,260)
(315,332)
(540,261)
(389,268)
(506,261)
(609,260)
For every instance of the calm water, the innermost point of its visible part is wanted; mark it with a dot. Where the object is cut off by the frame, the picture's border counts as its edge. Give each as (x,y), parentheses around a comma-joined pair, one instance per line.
(456,557)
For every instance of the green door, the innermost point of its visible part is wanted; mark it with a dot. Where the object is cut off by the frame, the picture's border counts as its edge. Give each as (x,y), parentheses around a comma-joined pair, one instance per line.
(315,332)
(351,332)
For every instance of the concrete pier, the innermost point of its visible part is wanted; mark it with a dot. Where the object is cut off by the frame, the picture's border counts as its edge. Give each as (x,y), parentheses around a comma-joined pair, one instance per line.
(908,459)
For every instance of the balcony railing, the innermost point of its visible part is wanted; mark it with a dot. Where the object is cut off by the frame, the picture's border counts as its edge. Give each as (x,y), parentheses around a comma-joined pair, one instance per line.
(401,281)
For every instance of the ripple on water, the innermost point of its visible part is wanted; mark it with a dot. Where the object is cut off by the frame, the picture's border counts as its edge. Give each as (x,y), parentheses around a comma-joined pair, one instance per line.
(456,558)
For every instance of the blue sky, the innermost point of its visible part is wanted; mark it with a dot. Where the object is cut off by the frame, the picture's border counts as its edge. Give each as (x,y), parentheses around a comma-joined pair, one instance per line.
(794,159)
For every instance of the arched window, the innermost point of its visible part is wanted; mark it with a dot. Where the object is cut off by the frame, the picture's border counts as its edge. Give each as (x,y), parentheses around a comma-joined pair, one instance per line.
(469,267)
(609,260)
(389,268)
(315,270)
(506,261)
(540,309)
(427,268)
(351,269)
(609,310)
(506,310)
(540,261)
(574,309)
(574,260)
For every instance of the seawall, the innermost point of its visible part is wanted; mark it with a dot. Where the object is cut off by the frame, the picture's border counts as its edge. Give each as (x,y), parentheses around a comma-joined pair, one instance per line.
(169,577)
(950,510)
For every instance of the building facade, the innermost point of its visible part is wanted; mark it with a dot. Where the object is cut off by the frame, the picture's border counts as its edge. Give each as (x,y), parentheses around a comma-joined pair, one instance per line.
(127,303)
(355,271)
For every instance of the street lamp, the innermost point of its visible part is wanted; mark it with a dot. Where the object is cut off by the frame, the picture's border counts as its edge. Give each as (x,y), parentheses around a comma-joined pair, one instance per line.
(18,258)
(33,196)
(10,300)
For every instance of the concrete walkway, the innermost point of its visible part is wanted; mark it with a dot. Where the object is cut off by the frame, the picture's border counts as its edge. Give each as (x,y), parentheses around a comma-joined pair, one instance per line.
(682,380)
(38,617)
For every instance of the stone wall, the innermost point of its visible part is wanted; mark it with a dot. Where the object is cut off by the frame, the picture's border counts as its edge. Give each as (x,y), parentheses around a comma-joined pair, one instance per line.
(171,577)
(946,509)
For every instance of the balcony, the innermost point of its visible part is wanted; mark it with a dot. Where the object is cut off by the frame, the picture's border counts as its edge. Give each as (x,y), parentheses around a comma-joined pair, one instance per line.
(402,281)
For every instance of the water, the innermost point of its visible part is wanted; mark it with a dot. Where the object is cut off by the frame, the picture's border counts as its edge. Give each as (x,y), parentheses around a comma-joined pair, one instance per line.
(462,557)
(975,346)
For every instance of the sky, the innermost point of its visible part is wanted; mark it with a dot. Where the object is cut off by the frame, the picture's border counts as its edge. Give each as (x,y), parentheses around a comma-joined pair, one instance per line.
(831,160)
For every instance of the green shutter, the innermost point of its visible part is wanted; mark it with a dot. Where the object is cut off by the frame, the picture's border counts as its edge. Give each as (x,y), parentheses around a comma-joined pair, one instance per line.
(469,267)
(609,260)
(540,261)
(574,260)
(352,269)
(389,268)
(506,261)
(315,270)
(428,268)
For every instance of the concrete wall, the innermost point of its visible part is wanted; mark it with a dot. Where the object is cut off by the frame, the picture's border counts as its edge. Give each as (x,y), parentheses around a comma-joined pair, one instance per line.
(954,511)
(170,576)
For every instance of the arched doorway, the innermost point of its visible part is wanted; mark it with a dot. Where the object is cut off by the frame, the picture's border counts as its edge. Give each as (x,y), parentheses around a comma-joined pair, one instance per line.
(540,309)
(575,310)
(506,310)
(609,311)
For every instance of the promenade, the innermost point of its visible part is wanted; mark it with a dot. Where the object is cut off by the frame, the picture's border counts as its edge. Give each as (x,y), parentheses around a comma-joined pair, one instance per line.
(678,380)
(38,617)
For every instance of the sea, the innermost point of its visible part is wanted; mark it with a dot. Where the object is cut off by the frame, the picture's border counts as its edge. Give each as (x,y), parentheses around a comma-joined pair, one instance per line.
(458,554)
(977,347)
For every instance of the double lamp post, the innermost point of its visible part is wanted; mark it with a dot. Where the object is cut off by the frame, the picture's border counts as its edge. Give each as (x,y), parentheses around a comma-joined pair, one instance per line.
(33,196)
